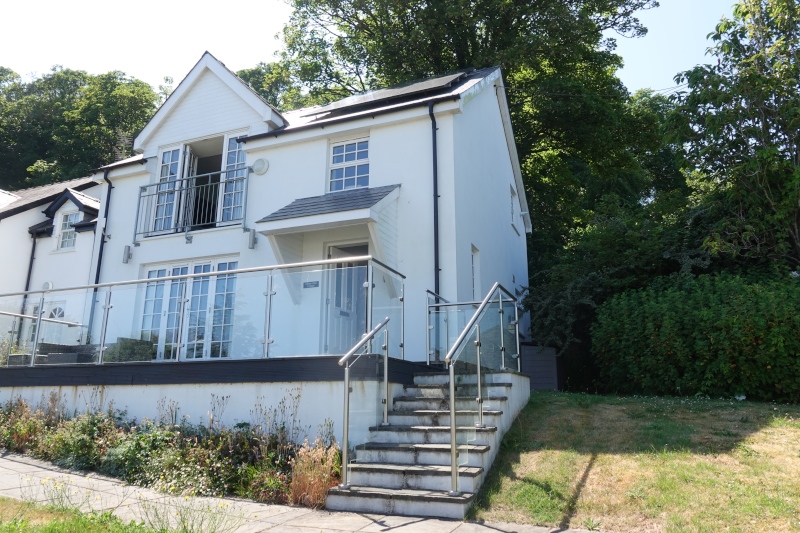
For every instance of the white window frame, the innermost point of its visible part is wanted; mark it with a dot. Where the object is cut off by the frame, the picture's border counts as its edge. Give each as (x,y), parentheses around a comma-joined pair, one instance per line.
(67,230)
(514,201)
(182,296)
(340,167)
(233,184)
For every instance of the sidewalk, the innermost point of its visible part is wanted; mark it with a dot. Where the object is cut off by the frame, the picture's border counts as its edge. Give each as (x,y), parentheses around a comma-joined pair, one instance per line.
(24,478)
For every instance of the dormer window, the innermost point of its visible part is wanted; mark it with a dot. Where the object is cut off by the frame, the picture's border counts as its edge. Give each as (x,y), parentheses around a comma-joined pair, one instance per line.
(67,231)
(349,165)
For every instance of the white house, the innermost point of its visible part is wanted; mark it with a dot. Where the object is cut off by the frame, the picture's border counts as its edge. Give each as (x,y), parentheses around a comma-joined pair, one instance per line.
(376,201)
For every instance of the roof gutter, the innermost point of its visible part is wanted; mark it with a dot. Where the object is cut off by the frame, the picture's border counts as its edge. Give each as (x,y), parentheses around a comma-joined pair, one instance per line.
(378,112)
(436,269)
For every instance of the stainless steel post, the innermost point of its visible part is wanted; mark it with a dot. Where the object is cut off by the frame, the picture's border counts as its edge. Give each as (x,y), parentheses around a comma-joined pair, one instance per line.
(479,400)
(370,268)
(428,333)
(268,314)
(502,331)
(516,336)
(106,309)
(345,437)
(402,320)
(40,312)
(385,348)
(453,443)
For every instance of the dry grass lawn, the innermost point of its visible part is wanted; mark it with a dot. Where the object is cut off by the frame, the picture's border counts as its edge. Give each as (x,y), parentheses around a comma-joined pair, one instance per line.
(648,464)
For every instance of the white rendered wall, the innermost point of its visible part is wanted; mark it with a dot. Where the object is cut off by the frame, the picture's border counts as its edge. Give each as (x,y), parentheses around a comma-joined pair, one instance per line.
(483,216)
(15,243)
(318,402)
(474,205)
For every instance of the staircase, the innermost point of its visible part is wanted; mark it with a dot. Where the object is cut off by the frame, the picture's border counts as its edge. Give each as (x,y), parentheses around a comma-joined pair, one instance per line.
(404,468)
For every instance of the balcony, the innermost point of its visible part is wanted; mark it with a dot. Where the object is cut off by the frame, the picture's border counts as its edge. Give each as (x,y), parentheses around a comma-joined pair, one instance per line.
(194,203)
(304,309)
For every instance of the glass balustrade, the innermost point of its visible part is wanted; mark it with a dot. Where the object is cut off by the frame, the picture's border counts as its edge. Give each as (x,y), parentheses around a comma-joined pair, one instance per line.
(487,344)
(321,308)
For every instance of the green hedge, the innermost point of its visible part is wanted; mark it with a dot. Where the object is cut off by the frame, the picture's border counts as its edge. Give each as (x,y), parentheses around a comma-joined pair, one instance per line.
(717,335)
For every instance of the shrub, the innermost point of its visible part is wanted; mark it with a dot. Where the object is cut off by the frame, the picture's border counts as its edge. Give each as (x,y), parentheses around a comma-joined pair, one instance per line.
(270,485)
(79,443)
(718,335)
(314,470)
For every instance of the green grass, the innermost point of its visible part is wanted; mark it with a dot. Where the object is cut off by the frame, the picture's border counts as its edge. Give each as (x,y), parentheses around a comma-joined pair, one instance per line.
(21,517)
(660,464)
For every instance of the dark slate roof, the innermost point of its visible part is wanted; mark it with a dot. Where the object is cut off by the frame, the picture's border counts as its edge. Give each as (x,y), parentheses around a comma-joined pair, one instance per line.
(86,225)
(36,196)
(44,228)
(333,202)
(85,203)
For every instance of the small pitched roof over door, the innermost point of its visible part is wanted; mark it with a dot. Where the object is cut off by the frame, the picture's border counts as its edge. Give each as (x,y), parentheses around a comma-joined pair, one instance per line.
(208,62)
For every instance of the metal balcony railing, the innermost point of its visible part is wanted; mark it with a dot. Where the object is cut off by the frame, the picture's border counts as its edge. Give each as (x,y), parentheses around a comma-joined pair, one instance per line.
(194,203)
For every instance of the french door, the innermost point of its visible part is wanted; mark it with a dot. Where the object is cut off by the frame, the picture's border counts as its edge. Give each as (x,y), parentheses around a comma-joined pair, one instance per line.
(170,210)
(190,318)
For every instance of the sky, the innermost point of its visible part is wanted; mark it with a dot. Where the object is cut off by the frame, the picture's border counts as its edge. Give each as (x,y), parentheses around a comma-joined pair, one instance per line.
(146,39)
(675,42)
(151,39)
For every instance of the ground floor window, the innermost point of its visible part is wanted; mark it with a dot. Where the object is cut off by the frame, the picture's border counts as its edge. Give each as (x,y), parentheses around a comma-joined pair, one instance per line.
(190,318)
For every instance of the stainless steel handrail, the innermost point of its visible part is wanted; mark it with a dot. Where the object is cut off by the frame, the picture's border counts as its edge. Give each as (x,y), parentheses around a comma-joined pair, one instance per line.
(437,296)
(451,361)
(286,266)
(455,304)
(53,320)
(364,340)
(346,418)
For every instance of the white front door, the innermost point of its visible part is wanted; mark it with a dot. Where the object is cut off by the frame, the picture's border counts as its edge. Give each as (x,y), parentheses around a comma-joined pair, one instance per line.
(347,298)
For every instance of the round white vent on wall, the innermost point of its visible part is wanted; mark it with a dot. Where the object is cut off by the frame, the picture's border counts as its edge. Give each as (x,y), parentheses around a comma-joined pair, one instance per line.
(260,166)
(47,285)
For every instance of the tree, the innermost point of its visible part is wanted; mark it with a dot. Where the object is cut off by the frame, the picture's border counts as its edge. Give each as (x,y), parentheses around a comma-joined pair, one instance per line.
(62,124)
(741,118)
(275,84)
(337,47)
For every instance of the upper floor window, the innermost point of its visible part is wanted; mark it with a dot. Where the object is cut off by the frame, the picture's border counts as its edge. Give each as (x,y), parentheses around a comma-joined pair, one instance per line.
(349,165)
(67,233)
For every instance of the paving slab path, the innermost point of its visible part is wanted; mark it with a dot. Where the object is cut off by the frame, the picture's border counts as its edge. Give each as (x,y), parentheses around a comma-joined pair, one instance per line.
(25,478)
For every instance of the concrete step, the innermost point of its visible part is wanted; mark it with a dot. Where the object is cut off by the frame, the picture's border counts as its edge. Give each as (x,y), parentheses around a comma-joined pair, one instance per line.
(423,477)
(420,454)
(434,434)
(431,417)
(405,502)
(439,378)
(404,403)
(443,390)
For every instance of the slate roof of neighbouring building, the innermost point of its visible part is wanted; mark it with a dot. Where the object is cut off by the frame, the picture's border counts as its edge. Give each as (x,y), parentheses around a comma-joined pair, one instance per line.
(333,202)
(36,196)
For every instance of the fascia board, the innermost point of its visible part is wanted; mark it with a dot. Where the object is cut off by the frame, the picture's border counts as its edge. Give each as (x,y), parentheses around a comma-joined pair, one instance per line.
(505,116)
(364,124)
(315,222)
